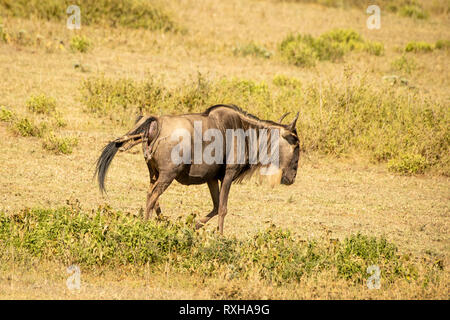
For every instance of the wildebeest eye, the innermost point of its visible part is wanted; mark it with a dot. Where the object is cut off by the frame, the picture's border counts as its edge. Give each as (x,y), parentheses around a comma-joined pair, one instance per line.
(291,139)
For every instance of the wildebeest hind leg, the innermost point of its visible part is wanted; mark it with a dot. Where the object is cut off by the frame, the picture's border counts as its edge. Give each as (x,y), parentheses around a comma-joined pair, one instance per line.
(214,190)
(153,176)
(157,189)
(156,207)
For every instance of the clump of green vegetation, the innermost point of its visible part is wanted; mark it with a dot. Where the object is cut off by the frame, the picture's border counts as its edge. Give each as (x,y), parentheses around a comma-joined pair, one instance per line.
(405,64)
(424,47)
(285,81)
(252,49)
(127,13)
(28,128)
(405,8)
(408,164)
(419,46)
(6,115)
(41,104)
(109,238)
(299,50)
(304,50)
(59,145)
(359,251)
(80,44)
(20,37)
(4,34)
(38,127)
(413,11)
(102,95)
(352,116)
(442,44)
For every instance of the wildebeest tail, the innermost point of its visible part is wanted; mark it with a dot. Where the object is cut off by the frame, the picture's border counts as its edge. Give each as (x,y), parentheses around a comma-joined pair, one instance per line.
(129,140)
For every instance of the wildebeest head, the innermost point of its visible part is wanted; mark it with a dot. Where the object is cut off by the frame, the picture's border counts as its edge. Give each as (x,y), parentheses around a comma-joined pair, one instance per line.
(289,152)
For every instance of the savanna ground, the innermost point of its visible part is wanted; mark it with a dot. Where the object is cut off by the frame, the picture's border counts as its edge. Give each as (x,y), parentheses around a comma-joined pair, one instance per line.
(66,93)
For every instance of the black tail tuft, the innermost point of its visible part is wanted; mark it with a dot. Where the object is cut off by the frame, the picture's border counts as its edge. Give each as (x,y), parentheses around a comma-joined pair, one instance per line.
(103,162)
(110,150)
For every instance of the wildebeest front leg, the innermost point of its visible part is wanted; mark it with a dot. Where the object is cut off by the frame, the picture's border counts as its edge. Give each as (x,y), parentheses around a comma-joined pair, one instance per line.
(158,188)
(223,198)
(213,186)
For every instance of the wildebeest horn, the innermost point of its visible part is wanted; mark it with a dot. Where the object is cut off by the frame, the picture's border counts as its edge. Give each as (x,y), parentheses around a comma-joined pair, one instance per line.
(293,123)
(283,116)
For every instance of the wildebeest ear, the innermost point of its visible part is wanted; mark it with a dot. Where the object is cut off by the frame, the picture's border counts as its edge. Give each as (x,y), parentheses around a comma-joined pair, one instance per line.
(292,125)
(283,116)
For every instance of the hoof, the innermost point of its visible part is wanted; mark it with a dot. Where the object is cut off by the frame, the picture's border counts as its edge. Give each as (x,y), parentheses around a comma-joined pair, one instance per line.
(198,225)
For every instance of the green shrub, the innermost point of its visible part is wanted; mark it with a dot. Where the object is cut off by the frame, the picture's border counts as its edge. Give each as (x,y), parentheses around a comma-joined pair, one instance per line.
(41,104)
(304,50)
(442,44)
(359,251)
(28,128)
(404,63)
(413,11)
(408,164)
(80,44)
(59,145)
(252,49)
(375,48)
(285,81)
(419,46)
(298,50)
(6,115)
(103,96)
(127,13)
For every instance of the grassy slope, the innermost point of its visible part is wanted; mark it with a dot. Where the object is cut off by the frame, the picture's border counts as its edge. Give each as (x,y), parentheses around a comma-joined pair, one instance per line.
(339,197)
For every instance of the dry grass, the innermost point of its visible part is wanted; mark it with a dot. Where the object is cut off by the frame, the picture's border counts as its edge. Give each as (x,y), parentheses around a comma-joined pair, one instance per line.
(331,198)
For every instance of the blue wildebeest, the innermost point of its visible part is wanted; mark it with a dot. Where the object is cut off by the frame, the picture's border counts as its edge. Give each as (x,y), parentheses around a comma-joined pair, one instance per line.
(192,160)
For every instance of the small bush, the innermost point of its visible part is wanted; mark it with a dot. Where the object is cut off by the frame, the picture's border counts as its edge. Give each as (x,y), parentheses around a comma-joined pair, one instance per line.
(59,145)
(442,44)
(102,95)
(6,115)
(408,164)
(375,48)
(252,49)
(404,64)
(413,11)
(304,50)
(284,81)
(420,46)
(28,128)
(299,50)
(359,251)
(41,104)
(80,44)
(4,36)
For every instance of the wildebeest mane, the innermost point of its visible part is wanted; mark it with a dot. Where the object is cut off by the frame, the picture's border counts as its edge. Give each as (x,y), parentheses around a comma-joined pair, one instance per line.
(243,113)
(240,119)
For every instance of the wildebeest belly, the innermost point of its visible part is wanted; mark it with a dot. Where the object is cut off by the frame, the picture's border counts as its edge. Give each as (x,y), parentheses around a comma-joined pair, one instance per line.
(211,172)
